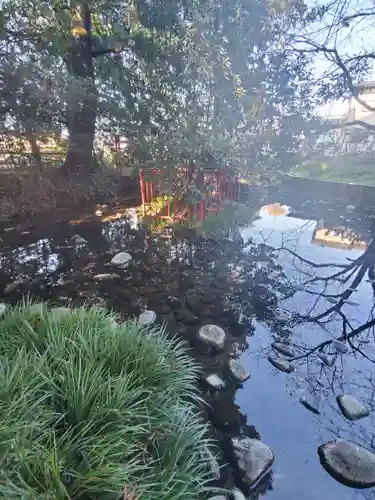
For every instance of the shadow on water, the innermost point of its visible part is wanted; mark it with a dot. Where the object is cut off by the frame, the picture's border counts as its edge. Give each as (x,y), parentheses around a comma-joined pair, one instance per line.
(264,282)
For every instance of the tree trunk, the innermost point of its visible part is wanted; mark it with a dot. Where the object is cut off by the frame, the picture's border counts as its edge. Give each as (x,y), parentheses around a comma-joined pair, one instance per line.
(79,159)
(35,151)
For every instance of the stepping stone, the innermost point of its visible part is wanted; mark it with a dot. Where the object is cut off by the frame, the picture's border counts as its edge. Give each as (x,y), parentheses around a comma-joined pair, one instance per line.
(348,463)
(60,312)
(147,318)
(281,364)
(106,276)
(237,494)
(283,349)
(3,308)
(215,381)
(239,372)
(340,347)
(212,335)
(255,459)
(326,359)
(212,463)
(122,259)
(352,408)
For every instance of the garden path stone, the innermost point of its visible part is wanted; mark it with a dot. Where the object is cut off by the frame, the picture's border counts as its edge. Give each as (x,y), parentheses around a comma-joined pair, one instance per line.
(348,463)
(352,408)
(281,364)
(212,335)
(147,318)
(239,372)
(255,459)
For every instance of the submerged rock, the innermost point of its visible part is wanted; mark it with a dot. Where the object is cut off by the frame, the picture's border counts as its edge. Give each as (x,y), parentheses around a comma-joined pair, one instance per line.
(212,463)
(215,381)
(281,364)
(350,208)
(283,349)
(212,335)
(326,359)
(238,371)
(122,259)
(255,459)
(147,318)
(340,347)
(3,308)
(352,408)
(60,312)
(237,494)
(310,403)
(348,463)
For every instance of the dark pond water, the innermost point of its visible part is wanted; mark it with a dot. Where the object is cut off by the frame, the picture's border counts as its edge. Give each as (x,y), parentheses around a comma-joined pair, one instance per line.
(258,291)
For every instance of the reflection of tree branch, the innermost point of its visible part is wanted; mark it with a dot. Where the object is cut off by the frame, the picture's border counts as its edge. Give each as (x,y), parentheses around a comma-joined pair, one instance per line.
(309,262)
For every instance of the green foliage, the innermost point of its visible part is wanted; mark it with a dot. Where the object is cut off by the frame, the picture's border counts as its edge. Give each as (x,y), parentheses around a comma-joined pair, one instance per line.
(94,408)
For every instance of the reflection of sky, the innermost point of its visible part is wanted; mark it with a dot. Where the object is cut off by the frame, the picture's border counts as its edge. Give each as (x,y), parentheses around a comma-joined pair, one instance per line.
(40,251)
(271,400)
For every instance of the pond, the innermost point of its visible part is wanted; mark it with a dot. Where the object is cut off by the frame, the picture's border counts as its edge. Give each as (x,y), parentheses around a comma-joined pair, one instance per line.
(296,273)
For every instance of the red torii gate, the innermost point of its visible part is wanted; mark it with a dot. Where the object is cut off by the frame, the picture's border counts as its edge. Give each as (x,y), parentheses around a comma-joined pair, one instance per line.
(221,186)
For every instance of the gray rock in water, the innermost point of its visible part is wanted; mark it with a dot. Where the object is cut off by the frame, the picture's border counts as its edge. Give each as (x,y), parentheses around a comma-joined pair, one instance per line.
(238,371)
(215,381)
(60,312)
(147,318)
(340,347)
(122,259)
(281,364)
(310,403)
(350,208)
(3,308)
(212,335)
(348,463)
(237,494)
(78,240)
(326,359)
(352,408)
(255,459)
(218,497)
(283,349)
(212,463)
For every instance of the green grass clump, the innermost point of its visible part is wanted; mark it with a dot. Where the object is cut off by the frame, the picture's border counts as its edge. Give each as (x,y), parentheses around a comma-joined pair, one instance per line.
(95,409)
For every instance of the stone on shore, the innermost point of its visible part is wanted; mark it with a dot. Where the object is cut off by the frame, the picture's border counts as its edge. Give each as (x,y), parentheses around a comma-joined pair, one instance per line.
(283,349)
(239,372)
(60,312)
(215,381)
(281,364)
(122,259)
(237,494)
(3,308)
(218,497)
(255,459)
(212,335)
(147,318)
(352,408)
(212,463)
(106,276)
(348,463)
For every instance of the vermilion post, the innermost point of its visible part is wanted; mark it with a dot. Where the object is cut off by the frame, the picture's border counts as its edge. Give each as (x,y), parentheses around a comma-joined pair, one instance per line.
(142,187)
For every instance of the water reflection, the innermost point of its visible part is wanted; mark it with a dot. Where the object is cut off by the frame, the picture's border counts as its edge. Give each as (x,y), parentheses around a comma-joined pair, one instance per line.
(267,282)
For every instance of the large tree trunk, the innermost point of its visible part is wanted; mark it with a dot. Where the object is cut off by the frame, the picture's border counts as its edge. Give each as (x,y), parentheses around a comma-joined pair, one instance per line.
(79,159)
